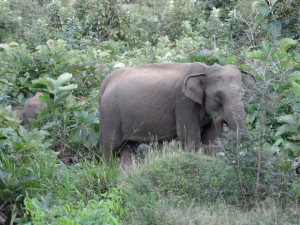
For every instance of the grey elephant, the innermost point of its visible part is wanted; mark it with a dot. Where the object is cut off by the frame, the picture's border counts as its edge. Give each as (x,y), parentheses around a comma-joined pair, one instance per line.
(165,101)
(30,110)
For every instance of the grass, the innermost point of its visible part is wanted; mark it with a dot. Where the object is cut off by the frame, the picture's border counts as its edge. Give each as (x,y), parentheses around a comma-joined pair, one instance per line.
(221,213)
(174,187)
(168,186)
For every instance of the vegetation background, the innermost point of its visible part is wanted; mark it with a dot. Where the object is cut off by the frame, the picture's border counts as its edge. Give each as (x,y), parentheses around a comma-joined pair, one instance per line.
(51,172)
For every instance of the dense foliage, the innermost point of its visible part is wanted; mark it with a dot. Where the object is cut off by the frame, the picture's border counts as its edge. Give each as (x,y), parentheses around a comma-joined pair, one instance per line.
(51,172)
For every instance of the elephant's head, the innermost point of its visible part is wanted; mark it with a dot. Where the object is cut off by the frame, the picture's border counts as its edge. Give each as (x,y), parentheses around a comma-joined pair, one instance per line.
(219,89)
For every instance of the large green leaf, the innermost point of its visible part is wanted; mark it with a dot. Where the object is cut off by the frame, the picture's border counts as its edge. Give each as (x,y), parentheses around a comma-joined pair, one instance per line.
(287,43)
(67,88)
(295,88)
(65,77)
(261,7)
(287,119)
(296,189)
(294,76)
(5,82)
(47,82)
(91,139)
(275,28)
(61,98)
(291,146)
(286,128)
(258,54)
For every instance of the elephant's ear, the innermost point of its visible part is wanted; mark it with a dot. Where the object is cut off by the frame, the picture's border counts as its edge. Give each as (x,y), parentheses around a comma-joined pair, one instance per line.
(193,87)
(248,80)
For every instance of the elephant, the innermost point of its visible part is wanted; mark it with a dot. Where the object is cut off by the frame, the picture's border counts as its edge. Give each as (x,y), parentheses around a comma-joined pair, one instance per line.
(158,102)
(31,108)
(18,110)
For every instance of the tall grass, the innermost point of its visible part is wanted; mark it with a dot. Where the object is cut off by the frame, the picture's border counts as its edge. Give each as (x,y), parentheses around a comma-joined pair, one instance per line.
(170,186)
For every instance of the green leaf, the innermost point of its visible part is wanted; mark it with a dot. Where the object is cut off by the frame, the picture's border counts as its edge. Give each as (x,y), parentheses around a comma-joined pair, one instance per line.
(65,77)
(67,88)
(264,11)
(231,59)
(274,28)
(287,119)
(297,57)
(48,82)
(286,166)
(5,82)
(290,146)
(297,107)
(91,139)
(295,88)
(261,7)
(287,43)
(61,97)
(278,142)
(285,128)
(296,189)
(294,76)
(255,55)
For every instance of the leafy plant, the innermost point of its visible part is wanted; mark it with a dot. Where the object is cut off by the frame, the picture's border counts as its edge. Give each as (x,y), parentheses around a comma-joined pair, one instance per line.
(282,17)
(281,95)
(86,129)
(9,22)
(56,106)
(102,19)
(106,210)
(12,194)
(20,150)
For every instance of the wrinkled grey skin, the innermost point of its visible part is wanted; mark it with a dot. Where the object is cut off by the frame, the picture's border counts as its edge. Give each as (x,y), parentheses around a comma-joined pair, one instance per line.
(163,101)
(30,110)
(213,130)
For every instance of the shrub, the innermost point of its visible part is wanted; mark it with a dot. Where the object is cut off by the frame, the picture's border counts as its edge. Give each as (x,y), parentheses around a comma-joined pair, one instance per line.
(258,168)
(22,164)
(106,210)
(276,97)
(9,23)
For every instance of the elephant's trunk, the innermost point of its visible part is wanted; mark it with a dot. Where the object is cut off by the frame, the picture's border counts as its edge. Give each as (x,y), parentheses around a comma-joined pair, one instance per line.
(235,117)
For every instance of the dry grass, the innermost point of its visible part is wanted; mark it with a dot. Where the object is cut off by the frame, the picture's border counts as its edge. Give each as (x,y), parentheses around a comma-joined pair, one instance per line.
(219,213)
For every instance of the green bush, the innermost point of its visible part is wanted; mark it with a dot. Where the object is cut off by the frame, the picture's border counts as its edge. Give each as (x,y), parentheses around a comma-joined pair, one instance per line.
(281,17)
(106,210)
(19,66)
(22,164)
(276,97)
(9,23)
(258,168)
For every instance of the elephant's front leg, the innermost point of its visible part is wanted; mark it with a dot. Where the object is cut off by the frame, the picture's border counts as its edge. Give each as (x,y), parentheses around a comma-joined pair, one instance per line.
(190,136)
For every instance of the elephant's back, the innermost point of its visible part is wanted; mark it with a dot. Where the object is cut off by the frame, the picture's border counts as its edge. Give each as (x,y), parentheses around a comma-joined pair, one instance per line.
(151,76)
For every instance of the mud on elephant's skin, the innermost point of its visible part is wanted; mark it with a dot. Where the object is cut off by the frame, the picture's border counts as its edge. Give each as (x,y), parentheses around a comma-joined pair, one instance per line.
(31,108)
(165,101)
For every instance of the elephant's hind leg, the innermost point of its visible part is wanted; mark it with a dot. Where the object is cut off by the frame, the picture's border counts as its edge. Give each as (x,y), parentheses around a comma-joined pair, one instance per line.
(111,141)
